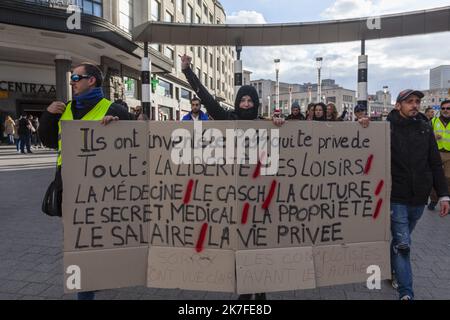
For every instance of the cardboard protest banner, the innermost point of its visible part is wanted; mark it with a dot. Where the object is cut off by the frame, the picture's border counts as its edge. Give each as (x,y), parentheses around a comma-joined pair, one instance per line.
(183,268)
(269,270)
(341,264)
(191,195)
(323,193)
(104,269)
(321,185)
(264,208)
(355,175)
(105,201)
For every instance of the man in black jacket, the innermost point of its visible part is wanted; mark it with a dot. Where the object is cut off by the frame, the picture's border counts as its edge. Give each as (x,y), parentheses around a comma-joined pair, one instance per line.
(86,82)
(416,167)
(24,134)
(296,113)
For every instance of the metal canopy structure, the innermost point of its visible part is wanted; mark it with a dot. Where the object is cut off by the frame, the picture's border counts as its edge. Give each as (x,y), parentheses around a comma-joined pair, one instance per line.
(369,28)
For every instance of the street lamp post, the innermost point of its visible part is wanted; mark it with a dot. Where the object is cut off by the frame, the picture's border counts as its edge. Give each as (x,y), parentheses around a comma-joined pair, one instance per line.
(319,61)
(268,106)
(310,93)
(238,70)
(290,98)
(385,90)
(277,70)
(146,76)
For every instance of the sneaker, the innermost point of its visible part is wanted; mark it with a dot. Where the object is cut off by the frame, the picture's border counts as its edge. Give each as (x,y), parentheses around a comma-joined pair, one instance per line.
(407,297)
(432,206)
(394,282)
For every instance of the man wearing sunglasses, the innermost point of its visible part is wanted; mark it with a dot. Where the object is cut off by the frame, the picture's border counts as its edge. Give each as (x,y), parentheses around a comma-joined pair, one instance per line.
(88,98)
(416,167)
(441,127)
(88,103)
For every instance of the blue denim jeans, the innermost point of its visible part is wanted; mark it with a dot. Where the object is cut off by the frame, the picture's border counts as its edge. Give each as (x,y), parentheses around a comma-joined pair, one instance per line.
(88,295)
(403,221)
(10,139)
(25,141)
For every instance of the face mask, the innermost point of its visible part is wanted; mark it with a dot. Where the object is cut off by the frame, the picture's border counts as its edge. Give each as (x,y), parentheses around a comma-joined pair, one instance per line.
(247,114)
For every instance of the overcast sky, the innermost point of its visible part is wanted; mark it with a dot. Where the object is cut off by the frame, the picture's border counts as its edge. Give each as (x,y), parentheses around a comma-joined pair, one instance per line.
(399,63)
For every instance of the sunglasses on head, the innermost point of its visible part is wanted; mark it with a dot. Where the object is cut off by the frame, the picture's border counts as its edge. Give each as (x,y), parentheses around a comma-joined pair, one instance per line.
(77,77)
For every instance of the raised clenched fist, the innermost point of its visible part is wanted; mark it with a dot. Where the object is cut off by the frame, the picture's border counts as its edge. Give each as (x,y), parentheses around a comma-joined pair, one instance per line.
(185,62)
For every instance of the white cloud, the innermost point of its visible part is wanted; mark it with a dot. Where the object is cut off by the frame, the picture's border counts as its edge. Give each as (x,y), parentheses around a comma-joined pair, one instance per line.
(343,9)
(246,17)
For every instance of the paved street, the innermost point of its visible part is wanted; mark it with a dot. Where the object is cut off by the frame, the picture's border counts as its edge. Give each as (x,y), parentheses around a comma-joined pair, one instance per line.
(31,247)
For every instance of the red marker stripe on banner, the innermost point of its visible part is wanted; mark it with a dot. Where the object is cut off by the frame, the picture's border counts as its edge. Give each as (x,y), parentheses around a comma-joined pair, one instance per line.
(270,195)
(378,209)
(245,213)
(187,195)
(201,238)
(379,188)
(257,172)
(368,164)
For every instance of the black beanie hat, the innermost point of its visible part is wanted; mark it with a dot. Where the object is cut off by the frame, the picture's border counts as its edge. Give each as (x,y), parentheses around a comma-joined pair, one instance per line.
(249,114)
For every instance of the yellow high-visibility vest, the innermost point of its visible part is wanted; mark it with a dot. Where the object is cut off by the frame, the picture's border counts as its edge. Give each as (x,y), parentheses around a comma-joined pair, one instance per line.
(444,131)
(96,114)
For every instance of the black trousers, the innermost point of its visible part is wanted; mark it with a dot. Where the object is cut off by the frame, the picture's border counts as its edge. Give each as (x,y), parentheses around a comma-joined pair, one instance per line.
(258,296)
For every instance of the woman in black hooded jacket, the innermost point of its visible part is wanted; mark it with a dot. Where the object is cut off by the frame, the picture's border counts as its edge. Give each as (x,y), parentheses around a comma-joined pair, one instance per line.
(246,107)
